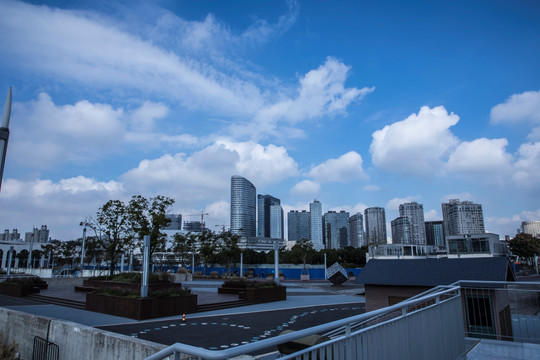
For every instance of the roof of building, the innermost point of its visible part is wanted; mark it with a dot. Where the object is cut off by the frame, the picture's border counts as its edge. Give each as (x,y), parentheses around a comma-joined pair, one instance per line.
(433,272)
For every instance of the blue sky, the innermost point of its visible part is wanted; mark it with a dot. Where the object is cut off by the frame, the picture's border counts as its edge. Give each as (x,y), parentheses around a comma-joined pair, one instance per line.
(355,103)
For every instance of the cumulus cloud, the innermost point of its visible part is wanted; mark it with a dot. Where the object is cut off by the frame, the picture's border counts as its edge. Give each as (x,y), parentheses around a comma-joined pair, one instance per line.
(524,107)
(347,167)
(61,205)
(394,203)
(371,187)
(143,118)
(416,145)
(306,187)
(205,174)
(432,215)
(527,166)
(63,133)
(485,157)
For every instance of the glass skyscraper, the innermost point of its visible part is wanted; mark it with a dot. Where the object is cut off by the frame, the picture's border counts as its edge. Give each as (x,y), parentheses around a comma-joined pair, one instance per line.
(315,232)
(243,206)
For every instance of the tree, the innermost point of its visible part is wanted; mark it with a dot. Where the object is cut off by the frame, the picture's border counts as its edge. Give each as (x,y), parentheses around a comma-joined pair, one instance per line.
(229,247)
(52,249)
(525,245)
(183,245)
(305,249)
(112,229)
(149,217)
(208,247)
(70,250)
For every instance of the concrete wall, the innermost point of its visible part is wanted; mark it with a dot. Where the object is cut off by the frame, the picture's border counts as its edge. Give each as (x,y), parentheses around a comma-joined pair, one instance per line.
(75,341)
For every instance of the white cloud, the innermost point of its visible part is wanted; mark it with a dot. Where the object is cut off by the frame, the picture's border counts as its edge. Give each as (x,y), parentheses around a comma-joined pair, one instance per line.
(416,145)
(461,196)
(524,107)
(347,167)
(372,187)
(205,174)
(393,204)
(306,187)
(432,215)
(60,205)
(527,166)
(46,134)
(143,118)
(481,157)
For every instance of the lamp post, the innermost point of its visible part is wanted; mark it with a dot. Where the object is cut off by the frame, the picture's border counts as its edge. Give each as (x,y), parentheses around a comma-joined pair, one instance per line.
(82,249)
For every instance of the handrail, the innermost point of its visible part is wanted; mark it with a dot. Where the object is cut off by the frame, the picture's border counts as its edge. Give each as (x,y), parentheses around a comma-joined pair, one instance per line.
(280,339)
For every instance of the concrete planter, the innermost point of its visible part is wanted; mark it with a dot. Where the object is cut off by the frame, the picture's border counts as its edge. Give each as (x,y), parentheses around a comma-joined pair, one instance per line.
(142,308)
(16,290)
(132,287)
(264,294)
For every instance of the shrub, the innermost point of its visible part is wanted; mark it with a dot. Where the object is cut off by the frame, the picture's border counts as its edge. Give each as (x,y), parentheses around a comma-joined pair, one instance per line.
(249,283)
(135,277)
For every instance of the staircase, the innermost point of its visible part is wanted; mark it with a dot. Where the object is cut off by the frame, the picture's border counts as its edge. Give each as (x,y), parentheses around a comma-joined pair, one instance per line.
(222,305)
(57,301)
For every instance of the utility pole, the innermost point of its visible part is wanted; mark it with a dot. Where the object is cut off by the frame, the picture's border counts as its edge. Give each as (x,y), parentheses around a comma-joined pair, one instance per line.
(4,134)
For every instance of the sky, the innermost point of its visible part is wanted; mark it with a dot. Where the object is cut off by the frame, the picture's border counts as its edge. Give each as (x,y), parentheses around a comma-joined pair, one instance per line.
(353,103)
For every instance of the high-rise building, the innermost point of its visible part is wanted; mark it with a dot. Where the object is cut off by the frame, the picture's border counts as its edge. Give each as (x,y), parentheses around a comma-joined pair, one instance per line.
(531,227)
(243,206)
(336,229)
(298,225)
(356,230)
(462,218)
(264,202)
(315,231)
(37,235)
(375,226)
(176,222)
(401,230)
(435,233)
(415,213)
(193,226)
(276,222)
(10,236)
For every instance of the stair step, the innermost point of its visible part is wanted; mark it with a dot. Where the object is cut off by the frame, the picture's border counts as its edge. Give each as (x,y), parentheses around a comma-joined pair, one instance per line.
(58,301)
(222,305)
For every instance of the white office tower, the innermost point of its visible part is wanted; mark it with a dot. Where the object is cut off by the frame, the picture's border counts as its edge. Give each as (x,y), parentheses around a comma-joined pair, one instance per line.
(243,206)
(531,228)
(462,218)
(276,222)
(415,213)
(375,226)
(315,232)
(356,230)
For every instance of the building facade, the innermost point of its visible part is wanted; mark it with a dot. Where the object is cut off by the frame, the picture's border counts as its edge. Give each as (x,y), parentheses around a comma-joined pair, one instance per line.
(243,206)
(435,233)
(415,213)
(529,227)
(38,235)
(315,229)
(356,230)
(401,230)
(336,230)
(298,225)
(264,216)
(375,226)
(15,235)
(462,218)
(276,222)
(176,222)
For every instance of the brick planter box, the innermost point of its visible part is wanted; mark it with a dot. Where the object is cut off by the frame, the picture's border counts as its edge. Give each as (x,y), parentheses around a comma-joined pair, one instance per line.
(132,287)
(264,294)
(142,308)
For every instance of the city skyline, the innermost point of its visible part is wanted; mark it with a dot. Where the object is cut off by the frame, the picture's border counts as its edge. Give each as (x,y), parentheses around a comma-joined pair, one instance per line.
(356,104)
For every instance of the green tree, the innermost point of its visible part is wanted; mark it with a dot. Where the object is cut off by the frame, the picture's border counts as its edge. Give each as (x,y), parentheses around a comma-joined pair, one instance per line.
(229,247)
(113,230)
(52,249)
(208,247)
(183,245)
(149,217)
(525,245)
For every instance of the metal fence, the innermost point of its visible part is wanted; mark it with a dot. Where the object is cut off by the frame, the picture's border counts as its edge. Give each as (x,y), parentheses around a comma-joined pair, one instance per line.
(44,350)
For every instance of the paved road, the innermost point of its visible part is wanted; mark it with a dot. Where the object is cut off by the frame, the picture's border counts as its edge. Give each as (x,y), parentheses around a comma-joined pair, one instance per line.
(224,331)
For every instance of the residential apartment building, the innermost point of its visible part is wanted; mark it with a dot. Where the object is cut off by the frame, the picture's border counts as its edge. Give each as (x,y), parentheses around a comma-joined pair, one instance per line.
(401,230)
(375,226)
(531,227)
(415,213)
(356,230)
(462,218)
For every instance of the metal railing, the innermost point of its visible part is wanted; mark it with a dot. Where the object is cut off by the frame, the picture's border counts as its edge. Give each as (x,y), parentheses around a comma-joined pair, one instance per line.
(427,327)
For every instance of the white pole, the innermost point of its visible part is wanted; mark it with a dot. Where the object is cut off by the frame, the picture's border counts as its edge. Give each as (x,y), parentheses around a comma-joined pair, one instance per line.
(325,275)
(4,134)
(144,286)
(82,249)
(276,262)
